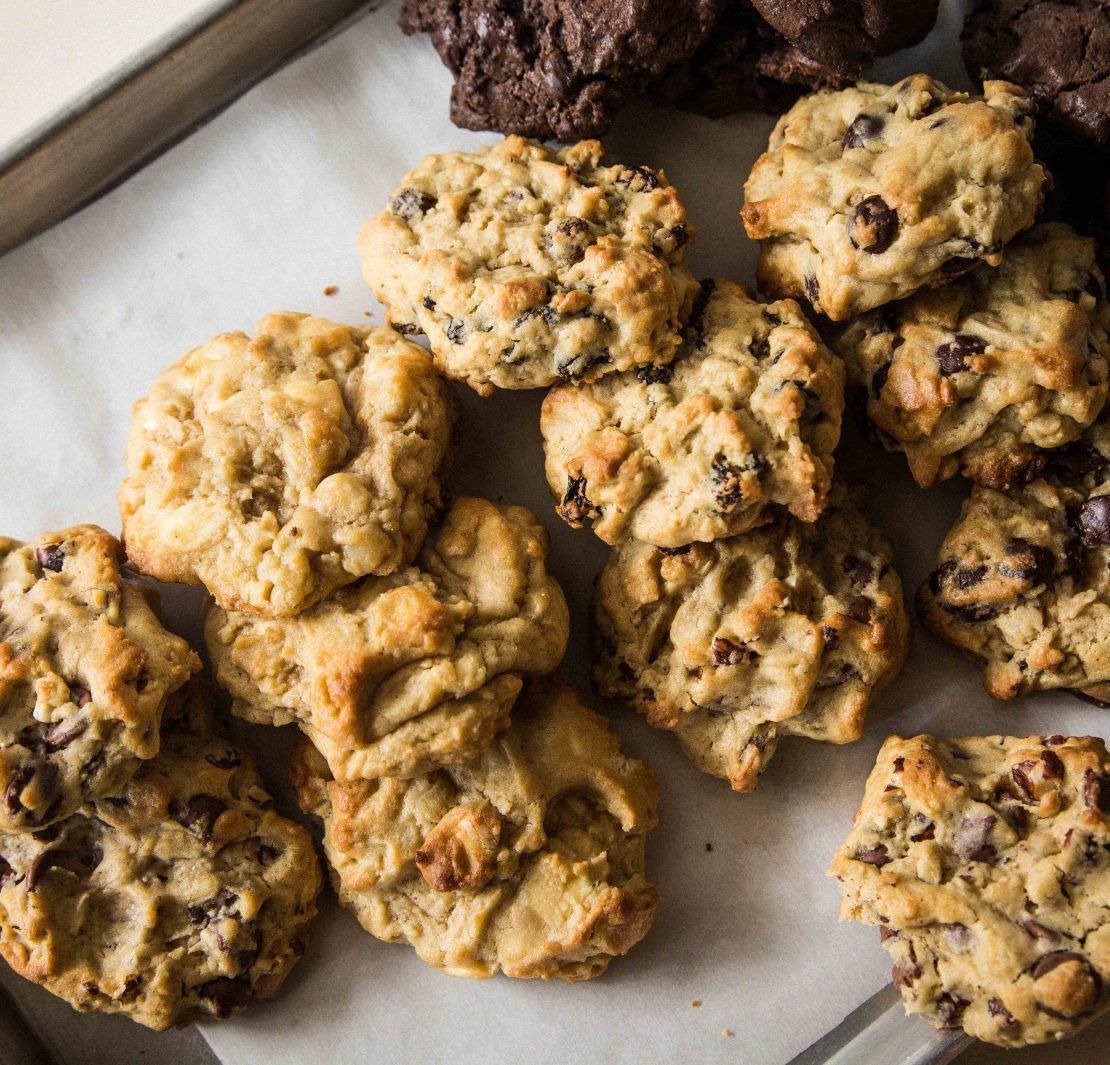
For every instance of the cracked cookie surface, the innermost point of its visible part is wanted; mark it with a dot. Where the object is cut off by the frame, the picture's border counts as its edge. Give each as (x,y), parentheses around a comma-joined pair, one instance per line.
(789,629)
(980,375)
(866,195)
(182,896)
(276,469)
(746,416)
(525,266)
(528,860)
(85,669)
(397,675)
(1023,577)
(985,863)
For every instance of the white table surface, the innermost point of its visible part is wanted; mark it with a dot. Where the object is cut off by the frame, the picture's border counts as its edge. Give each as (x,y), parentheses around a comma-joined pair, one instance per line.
(259,211)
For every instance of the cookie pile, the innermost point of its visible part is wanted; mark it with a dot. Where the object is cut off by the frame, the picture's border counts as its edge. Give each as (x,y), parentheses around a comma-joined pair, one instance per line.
(470,804)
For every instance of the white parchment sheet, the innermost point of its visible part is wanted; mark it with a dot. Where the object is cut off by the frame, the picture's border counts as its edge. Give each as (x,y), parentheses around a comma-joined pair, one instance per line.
(259,212)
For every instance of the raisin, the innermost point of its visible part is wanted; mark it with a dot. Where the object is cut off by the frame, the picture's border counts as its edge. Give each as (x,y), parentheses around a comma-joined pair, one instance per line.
(411,204)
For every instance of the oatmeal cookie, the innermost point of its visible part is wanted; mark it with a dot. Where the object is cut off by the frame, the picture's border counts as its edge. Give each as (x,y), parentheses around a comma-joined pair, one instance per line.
(786,630)
(1023,577)
(979,375)
(985,863)
(525,266)
(868,194)
(746,416)
(182,896)
(397,675)
(275,470)
(85,669)
(541,68)
(528,860)
(1058,51)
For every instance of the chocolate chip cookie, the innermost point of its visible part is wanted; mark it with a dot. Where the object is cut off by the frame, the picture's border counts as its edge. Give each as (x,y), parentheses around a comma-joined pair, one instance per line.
(274,470)
(85,669)
(786,630)
(985,864)
(528,860)
(980,375)
(397,675)
(555,69)
(747,416)
(868,194)
(1058,51)
(182,896)
(525,266)
(1023,577)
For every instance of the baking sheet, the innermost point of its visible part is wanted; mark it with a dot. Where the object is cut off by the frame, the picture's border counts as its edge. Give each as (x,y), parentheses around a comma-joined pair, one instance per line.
(258,212)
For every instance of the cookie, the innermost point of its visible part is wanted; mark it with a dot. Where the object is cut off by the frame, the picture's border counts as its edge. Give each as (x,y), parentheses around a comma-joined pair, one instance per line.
(397,675)
(745,417)
(868,194)
(985,863)
(181,897)
(1023,578)
(85,669)
(525,266)
(542,69)
(528,860)
(979,375)
(1058,52)
(275,470)
(788,630)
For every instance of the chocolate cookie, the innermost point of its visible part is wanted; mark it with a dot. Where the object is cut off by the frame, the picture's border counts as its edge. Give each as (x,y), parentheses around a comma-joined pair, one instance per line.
(1058,51)
(555,68)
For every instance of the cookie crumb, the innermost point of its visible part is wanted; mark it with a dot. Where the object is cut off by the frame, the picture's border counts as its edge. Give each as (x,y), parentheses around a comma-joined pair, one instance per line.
(330,290)
(367,314)
(727,1032)
(695,1002)
(709,846)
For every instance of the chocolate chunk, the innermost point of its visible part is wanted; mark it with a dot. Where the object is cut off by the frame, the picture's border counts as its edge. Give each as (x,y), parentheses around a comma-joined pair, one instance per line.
(952,355)
(859,609)
(226,994)
(877,855)
(1093,521)
(860,572)
(904,975)
(1037,567)
(874,225)
(951,1007)
(79,860)
(62,733)
(864,129)
(969,576)
(1039,931)
(199,814)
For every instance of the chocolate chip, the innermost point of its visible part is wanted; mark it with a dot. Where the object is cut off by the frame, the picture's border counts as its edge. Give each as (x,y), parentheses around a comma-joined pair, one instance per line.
(63,733)
(50,557)
(831,637)
(877,855)
(859,609)
(654,375)
(886,934)
(1037,567)
(873,226)
(813,289)
(864,128)
(899,764)
(996,1009)
(952,355)
(201,913)
(950,1007)
(1093,521)
(411,204)
(80,861)
(727,653)
(199,814)
(226,994)
(672,551)
(860,572)
(47,783)
(1051,961)
(904,975)
(969,576)
(928,832)
(1039,931)
(575,507)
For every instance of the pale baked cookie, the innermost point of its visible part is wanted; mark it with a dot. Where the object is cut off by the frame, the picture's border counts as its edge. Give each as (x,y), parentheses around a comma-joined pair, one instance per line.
(1023,577)
(788,630)
(396,675)
(746,416)
(275,470)
(979,375)
(85,668)
(867,194)
(985,863)
(526,266)
(528,860)
(183,896)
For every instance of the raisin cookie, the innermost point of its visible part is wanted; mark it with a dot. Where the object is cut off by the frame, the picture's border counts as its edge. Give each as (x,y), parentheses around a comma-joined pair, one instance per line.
(1023,577)
(527,860)
(867,194)
(85,669)
(985,863)
(540,68)
(787,630)
(397,675)
(275,470)
(182,896)
(1058,51)
(746,416)
(979,375)
(525,266)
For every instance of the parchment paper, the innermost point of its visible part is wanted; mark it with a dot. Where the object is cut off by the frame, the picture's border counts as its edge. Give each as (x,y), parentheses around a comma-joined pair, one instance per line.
(259,212)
